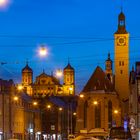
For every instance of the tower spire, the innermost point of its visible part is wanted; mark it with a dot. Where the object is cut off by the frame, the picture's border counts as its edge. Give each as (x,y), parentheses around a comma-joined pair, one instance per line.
(121,8)
(108,55)
(27,61)
(121,23)
(68,60)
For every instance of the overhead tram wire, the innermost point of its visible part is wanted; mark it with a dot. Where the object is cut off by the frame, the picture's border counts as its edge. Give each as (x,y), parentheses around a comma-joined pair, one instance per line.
(51,37)
(84,40)
(57,44)
(57,37)
(100,61)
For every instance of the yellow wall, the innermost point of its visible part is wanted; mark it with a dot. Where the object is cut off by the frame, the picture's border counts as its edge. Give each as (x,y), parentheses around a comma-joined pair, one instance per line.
(122,56)
(103,98)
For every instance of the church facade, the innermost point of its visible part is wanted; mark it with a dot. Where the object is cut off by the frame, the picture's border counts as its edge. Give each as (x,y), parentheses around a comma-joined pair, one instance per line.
(47,85)
(105,99)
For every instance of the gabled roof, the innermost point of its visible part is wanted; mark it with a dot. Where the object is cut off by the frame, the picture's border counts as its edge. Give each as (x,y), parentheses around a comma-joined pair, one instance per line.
(98,81)
(44,75)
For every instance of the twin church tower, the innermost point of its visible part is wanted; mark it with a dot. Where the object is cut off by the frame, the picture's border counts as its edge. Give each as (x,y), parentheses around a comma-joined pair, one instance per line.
(46,85)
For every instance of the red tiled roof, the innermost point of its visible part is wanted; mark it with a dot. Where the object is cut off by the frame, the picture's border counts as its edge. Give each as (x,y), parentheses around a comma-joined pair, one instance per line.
(98,81)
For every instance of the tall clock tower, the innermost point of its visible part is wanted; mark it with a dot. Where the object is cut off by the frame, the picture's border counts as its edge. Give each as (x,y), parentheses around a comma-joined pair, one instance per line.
(122,58)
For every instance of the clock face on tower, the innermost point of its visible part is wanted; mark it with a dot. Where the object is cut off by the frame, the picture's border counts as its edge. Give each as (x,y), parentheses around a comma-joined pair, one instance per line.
(121,41)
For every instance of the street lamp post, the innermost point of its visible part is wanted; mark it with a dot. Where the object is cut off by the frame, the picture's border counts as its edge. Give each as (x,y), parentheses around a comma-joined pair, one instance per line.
(60,124)
(3,115)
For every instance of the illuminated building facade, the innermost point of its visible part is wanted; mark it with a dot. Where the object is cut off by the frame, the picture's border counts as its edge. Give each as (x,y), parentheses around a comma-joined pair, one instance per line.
(100,105)
(69,80)
(122,58)
(47,85)
(18,117)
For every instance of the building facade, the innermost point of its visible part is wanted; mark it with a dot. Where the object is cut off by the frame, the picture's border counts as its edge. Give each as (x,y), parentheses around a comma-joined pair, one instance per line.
(46,85)
(100,106)
(18,117)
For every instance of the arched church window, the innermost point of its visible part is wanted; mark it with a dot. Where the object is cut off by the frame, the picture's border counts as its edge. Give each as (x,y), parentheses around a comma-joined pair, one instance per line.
(109,114)
(85,114)
(98,116)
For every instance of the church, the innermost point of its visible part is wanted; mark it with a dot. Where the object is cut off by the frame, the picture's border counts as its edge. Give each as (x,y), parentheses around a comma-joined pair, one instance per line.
(104,99)
(47,85)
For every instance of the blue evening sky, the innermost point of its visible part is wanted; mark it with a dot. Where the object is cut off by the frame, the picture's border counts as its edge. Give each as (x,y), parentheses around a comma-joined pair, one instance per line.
(69,28)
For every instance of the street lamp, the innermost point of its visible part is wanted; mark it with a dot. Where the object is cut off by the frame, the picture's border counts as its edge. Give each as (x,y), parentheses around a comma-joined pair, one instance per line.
(20,87)
(95,103)
(60,108)
(74,113)
(70,90)
(59,73)
(81,96)
(35,103)
(15,98)
(60,116)
(4,3)
(42,51)
(116,111)
(48,106)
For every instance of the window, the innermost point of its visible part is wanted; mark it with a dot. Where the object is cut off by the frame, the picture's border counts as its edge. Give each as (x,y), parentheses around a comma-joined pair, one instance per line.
(98,116)
(85,114)
(109,114)
(119,63)
(121,71)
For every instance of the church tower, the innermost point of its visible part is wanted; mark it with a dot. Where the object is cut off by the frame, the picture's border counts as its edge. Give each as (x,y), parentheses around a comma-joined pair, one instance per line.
(69,80)
(122,58)
(27,75)
(27,79)
(108,68)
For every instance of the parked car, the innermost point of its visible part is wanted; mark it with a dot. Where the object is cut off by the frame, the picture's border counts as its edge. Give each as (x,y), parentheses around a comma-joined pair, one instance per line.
(98,133)
(120,133)
(71,137)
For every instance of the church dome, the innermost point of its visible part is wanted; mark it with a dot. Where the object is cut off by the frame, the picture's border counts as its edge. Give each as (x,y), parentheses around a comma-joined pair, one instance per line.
(27,69)
(68,67)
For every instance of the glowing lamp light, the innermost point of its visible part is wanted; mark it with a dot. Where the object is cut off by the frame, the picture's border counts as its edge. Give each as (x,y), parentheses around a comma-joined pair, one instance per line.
(59,73)
(48,106)
(43,51)
(60,109)
(35,103)
(20,87)
(95,102)
(4,3)
(71,89)
(115,111)
(74,113)
(15,98)
(81,96)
